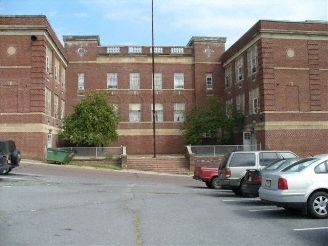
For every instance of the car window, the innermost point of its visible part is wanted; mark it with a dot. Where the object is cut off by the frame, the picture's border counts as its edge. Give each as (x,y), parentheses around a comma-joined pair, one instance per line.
(287,155)
(242,160)
(267,158)
(300,165)
(224,161)
(274,165)
(321,168)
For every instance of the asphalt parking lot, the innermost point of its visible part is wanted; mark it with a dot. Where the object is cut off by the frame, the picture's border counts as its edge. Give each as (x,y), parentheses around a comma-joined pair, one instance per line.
(43,204)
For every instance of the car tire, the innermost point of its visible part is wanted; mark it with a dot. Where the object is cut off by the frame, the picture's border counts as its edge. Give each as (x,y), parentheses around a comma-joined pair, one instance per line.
(15,157)
(318,205)
(215,183)
(6,171)
(243,189)
(208,184)
(238,190)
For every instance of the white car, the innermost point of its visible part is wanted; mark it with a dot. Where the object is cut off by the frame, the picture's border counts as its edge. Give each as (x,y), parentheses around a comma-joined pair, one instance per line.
(302,186)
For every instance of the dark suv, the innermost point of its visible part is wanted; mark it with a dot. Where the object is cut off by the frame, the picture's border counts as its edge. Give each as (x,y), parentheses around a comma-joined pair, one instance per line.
(10,157)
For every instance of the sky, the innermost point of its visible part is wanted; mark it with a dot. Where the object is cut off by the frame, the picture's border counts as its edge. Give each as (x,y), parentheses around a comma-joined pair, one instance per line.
(175,22)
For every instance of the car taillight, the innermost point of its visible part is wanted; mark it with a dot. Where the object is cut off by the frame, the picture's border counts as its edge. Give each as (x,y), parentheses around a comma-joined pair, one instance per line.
(282,184)
(227,172)
(257,180)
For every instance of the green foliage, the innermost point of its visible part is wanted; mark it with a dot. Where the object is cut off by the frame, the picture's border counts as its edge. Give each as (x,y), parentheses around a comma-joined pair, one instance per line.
(93,123)
(211,119)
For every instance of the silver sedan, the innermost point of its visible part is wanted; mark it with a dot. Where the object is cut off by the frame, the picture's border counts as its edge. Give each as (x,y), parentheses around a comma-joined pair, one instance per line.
(302,186)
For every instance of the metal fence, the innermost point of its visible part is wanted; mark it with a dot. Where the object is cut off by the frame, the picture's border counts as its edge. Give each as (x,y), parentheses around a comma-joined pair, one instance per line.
(95,152)
(217,150)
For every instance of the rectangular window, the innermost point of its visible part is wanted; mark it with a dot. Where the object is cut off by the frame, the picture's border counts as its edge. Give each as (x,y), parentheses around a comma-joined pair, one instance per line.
(62,109)
(56,106)
(81,81)
(134,112)
(178,80)
(48,60)
(252,60)
(227,79)
(240,103)
(209,81)
(62,77)
(254,101)
(111,80)
(179,111)
(239,70)
(158,81)
(229,105)
(134,81)
(56,69)
(158,112)
(48,102)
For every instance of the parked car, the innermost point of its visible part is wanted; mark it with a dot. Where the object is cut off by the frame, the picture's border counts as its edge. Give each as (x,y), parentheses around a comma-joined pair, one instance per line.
(233,167)
(253,177)
(302,186)
(209,175)
(10,157)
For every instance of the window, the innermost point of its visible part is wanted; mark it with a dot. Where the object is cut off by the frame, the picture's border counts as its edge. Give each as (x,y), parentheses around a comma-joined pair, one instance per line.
(209,81)
(81,81)
(321,168)
(242,160)
(134,81)
(179,111)
(56,76)
(48,102)
(239,69)
(240,103)
(62,109)
(158,112)
(48,60)
(157,50)
(115,108)
(56,106)
(62,77)
(158,81)
(229,104)
(254,105)
(267,157)
(111,80)
(252,60)
(178,80)
(134,112)
(227,80)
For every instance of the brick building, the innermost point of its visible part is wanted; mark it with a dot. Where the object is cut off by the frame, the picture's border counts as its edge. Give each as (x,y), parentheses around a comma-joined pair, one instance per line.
(184,76)
(32,83)
(276,73)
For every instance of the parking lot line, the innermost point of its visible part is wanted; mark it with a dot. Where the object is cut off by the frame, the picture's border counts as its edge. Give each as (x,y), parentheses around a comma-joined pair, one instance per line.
(310,229)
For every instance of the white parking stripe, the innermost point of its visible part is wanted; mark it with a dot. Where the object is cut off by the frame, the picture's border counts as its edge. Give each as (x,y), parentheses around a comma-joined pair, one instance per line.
(241,199)
(310,229)
(265,209)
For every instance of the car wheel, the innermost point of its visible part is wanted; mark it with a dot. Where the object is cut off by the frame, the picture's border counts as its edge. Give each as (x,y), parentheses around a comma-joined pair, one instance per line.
(208,184)
(317,205)
(16,157)
(243,189)
(238,191)
(215,183)
(5,171)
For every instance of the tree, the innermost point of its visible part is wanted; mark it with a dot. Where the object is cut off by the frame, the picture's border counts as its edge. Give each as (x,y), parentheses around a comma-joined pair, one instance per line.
(210,124)
(93,122)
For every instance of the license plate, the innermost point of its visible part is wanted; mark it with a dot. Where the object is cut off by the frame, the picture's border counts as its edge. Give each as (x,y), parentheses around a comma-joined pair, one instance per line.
(267,183)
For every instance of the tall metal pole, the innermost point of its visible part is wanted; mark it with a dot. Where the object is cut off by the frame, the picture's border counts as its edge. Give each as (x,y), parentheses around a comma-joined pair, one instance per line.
(153,64)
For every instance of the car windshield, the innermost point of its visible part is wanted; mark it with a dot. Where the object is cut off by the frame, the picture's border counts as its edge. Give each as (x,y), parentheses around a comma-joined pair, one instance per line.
(280,164)
(274,165)
(300,165)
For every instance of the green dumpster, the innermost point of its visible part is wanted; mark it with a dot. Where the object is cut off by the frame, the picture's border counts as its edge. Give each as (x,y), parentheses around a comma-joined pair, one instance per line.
(60,156)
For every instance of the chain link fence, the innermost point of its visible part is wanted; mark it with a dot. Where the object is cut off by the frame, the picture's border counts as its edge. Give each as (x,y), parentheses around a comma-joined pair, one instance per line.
(95,152)
(219,150)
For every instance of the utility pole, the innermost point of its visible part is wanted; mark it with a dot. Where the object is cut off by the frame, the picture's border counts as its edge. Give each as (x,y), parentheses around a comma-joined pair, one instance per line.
(153,65)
